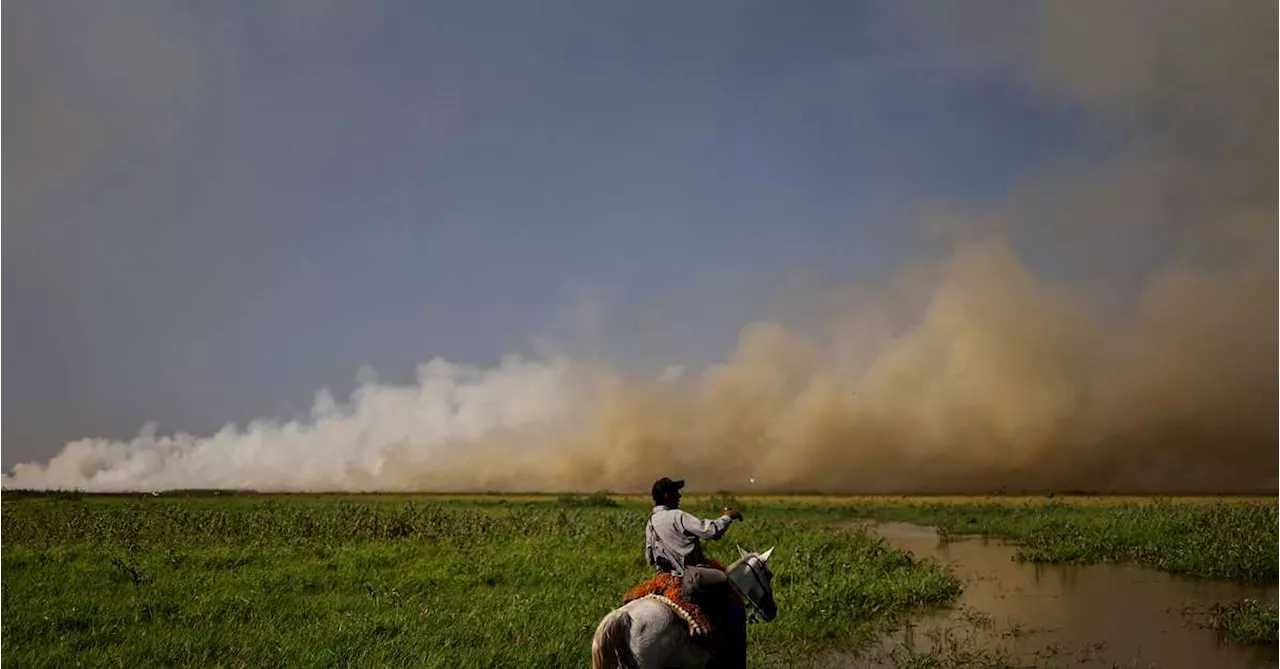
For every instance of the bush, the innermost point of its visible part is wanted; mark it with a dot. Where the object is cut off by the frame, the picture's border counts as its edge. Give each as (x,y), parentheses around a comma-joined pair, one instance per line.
(600,498)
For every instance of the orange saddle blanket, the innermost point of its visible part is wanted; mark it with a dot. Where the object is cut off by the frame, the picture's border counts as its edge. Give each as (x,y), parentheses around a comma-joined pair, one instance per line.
(667,586)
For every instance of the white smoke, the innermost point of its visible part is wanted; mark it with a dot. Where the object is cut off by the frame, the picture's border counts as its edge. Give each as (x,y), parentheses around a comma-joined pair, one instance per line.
(343,447)
(965,373)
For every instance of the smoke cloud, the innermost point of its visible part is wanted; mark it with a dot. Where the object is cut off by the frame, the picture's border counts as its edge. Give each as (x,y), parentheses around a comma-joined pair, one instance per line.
(969,370)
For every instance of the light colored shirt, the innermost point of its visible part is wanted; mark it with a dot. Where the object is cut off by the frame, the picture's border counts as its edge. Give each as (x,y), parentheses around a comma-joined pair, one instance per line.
(673,536)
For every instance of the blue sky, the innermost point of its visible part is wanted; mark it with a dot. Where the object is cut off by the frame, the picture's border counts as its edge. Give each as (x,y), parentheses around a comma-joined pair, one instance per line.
(216,209)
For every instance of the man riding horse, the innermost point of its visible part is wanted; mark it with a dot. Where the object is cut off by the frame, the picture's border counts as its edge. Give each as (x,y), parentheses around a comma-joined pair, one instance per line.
(673,545)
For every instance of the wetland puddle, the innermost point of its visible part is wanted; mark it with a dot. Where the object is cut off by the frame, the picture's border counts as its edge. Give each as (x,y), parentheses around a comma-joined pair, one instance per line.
(1066,615)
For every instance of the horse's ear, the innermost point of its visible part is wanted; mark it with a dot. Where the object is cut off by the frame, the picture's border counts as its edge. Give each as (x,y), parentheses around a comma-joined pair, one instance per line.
(764,557)
(742,553)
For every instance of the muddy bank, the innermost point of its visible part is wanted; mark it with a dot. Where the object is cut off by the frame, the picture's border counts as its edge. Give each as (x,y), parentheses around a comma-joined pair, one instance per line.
(1035,614)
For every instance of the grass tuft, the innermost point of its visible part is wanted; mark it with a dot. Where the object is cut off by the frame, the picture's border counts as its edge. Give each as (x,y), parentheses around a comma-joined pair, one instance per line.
(1248,621)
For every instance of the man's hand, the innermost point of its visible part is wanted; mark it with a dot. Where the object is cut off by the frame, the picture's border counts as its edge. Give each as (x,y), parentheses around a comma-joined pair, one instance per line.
(733,513)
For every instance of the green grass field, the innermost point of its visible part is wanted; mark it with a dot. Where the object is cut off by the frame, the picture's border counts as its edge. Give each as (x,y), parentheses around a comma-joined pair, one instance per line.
(318,581)
(478,581)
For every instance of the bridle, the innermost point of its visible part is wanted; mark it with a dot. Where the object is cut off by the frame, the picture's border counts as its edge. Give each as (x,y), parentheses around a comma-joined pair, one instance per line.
(754,614)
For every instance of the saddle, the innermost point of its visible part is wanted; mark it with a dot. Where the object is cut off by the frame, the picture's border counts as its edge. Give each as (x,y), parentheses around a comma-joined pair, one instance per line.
(667,588)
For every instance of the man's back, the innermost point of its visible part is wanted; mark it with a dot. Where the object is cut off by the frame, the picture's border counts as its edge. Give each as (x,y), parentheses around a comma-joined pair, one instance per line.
(673,544)
(672,538)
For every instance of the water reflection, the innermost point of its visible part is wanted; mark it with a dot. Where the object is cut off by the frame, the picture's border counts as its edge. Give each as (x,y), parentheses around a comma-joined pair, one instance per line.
(1082,615)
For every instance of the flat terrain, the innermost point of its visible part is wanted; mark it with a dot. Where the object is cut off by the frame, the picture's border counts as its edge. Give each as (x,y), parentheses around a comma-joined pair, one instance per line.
(325,581)
(520,581)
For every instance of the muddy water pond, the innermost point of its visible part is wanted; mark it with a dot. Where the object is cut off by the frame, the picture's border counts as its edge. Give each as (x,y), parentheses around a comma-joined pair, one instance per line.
(1070,615)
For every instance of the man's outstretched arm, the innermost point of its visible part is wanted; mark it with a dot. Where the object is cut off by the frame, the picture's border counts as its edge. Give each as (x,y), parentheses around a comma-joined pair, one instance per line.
(708,529)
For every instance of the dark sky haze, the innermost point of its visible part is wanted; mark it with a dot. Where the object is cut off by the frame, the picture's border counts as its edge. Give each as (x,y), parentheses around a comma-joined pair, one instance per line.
(215,210)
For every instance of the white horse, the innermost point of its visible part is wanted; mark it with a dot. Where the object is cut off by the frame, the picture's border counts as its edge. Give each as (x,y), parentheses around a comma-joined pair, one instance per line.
(647,633)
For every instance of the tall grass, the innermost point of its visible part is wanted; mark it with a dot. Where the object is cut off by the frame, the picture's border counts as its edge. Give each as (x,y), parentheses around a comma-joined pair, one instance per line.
(320,581)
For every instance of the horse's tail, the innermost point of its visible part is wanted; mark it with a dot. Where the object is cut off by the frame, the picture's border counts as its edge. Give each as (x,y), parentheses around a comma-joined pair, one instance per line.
(611,646)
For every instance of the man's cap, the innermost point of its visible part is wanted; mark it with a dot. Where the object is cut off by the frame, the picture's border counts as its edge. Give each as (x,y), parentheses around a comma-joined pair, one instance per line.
(665,485)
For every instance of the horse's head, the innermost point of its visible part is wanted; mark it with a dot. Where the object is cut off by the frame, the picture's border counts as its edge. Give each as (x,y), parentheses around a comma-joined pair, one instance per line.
(753,579)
